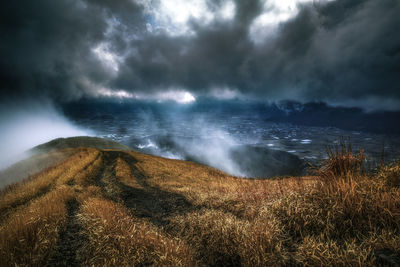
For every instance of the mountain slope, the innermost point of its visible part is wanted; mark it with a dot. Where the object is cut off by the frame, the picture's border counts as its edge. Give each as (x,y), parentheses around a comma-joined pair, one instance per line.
(112,207)
(79,141)
(51,153)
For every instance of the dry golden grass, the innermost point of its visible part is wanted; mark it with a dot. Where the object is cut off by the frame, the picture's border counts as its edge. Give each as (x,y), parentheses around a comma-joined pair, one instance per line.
(92,168)
(124,174)
(26,190)
(220,238)
(390,174)
(339,221)
(82,166)
(33,165)
(28,236)
(316,251)
(150,210)
(206,186)
(341,162)
(334,217)
(117,239)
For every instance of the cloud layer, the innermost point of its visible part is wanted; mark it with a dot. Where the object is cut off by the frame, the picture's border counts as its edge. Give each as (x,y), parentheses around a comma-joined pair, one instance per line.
(344,52)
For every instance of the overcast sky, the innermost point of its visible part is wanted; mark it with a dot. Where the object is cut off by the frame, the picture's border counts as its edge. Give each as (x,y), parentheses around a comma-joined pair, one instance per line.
(343,52)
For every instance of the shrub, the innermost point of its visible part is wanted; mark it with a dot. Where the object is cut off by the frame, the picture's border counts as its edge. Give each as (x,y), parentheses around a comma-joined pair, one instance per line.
(341,162)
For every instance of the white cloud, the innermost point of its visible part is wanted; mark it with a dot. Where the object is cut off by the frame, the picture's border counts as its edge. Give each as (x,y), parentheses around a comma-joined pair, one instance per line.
(115,93)
(227,11)
(225,93)
(109,59)
(275,12)
(178,96)
(173,16)
(98,90)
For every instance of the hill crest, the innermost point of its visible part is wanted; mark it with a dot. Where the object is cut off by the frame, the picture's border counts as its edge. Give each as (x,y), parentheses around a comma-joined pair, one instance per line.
(79,141)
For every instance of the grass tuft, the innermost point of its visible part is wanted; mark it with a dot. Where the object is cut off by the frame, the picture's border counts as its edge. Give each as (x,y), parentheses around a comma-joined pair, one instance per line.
(390,174)
(341,162)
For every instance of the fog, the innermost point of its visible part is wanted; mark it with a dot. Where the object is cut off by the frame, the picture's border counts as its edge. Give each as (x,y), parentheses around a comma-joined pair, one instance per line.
(167,130)
(194,138)
(24,125)
(189,132)
(241,139)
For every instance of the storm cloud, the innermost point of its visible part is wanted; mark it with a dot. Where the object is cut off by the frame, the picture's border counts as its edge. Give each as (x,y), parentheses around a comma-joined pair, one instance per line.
(343,52)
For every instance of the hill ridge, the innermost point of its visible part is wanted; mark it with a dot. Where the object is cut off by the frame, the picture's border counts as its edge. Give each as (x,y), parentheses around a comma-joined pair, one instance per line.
(113,207)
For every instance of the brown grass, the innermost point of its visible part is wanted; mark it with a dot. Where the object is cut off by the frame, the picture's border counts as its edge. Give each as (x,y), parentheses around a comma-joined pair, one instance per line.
(33,165)
(29,235)
(124,174)
(116,238)
(86,163)
(196,215)
(26,190)
(341,162)
(92,168)
(390,174)
(220,238)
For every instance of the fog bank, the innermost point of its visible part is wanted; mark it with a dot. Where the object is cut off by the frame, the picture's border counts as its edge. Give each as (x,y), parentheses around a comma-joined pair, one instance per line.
(24,125)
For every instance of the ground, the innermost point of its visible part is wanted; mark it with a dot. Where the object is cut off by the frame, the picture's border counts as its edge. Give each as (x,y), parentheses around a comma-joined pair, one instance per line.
(118,207)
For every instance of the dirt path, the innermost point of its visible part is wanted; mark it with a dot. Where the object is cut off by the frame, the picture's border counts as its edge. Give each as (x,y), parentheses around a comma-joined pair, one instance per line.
(147,202)
(70,239)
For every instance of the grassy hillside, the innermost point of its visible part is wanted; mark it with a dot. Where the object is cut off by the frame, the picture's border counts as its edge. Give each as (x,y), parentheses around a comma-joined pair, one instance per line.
(32,165)
(79,141)
(112,207)
(51,153)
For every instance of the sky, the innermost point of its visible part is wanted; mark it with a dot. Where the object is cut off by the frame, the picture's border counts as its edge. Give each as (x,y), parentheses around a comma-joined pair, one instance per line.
(342,52)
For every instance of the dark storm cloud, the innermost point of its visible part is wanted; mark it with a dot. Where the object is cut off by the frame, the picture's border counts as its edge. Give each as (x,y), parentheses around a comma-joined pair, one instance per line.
(45,46)
(343,52)
(347,50)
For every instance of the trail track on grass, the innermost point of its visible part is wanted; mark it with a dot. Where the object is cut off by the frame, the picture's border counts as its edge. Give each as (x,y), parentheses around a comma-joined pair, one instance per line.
(109,207)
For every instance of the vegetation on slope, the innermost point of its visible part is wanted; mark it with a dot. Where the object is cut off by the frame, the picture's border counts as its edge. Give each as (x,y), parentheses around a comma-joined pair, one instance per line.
(32,165)
(113,207)
(79,141)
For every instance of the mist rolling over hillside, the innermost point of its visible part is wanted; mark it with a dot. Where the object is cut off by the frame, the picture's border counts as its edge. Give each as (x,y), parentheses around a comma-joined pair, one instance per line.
(24,125)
